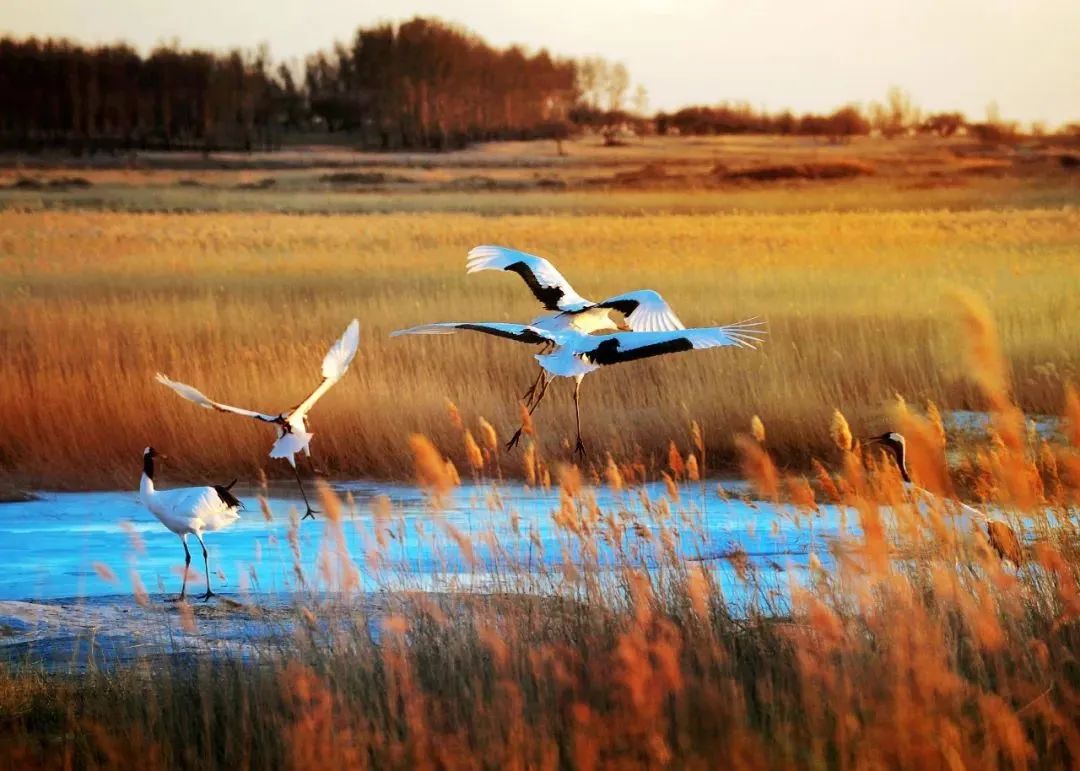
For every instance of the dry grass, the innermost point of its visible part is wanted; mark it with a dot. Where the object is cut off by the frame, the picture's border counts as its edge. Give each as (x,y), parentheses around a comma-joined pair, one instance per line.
(916,648)
(726,174)
(860,307)
(795,197)
(909,645)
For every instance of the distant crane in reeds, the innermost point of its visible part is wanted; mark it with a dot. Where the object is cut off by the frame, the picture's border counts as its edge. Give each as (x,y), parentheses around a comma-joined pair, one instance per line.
(189,511)
(643,310)
(293,436)
(573,354)
(1002,537)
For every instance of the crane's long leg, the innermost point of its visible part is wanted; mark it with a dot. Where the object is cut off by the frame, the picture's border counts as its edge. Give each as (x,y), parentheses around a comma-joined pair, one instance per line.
(545,348)
(580,446)
(527,396)
(187,563)
(310,511)
(206,565)
(517,434)
(311,465)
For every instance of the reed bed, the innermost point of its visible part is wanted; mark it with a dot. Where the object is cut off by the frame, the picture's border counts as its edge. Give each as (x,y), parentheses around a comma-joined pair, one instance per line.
(906,644)
(860,307)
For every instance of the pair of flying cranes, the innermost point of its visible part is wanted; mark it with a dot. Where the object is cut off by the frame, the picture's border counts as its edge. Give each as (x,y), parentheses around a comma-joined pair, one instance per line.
(577,337)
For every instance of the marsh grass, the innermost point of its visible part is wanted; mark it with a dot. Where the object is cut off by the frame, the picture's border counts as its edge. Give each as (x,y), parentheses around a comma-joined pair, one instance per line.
(906,644)
(860,308)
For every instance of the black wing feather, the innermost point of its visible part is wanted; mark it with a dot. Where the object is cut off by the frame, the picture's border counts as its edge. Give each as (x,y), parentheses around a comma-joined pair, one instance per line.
(609,351)
(548,296)
(625,307)
(227,497)
(526,336)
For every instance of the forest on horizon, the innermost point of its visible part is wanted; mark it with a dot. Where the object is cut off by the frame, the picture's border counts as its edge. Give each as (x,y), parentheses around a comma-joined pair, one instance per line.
(423,84)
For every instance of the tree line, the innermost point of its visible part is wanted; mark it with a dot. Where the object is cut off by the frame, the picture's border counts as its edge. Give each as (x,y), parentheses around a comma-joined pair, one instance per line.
(421,84)
(58,93)
(431,85)
(896,115)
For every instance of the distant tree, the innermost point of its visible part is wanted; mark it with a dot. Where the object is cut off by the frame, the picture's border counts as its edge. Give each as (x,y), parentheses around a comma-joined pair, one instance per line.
(994,129)
(590,77)
(845,123)
(813,125)
(785,123)
(944,124)
(896,116)
(993,133)
(1071,131)
(616,84)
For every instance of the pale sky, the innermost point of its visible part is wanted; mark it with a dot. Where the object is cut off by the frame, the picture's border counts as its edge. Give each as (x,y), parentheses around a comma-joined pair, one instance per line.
(776,54)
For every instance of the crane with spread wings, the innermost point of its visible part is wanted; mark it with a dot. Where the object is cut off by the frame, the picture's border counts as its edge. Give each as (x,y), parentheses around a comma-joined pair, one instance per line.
(290,425)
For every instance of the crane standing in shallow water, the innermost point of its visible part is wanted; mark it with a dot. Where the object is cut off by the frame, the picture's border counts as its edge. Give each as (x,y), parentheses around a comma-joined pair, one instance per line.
(189,511)
(291,425)
(1000,534)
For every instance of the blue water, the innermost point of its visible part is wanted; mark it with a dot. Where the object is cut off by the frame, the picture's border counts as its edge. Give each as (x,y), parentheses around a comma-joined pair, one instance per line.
(67,545)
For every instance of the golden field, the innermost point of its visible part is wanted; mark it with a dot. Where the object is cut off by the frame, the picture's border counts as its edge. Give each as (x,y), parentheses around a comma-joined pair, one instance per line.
(860,307)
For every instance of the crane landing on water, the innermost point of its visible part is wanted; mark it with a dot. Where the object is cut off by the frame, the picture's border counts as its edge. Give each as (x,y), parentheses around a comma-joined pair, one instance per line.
(573,354)
(290,425)
(643,310)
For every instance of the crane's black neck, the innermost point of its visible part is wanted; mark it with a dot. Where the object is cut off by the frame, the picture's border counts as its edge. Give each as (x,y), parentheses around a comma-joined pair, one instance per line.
(148,465)
(899,451)
(903,468)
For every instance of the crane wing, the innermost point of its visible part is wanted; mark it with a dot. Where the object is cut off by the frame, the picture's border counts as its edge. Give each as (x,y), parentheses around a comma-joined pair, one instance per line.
(335,364)
(195,395)
(546,283)
(645,311)
(342,352)
(622,347)
(520,332)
